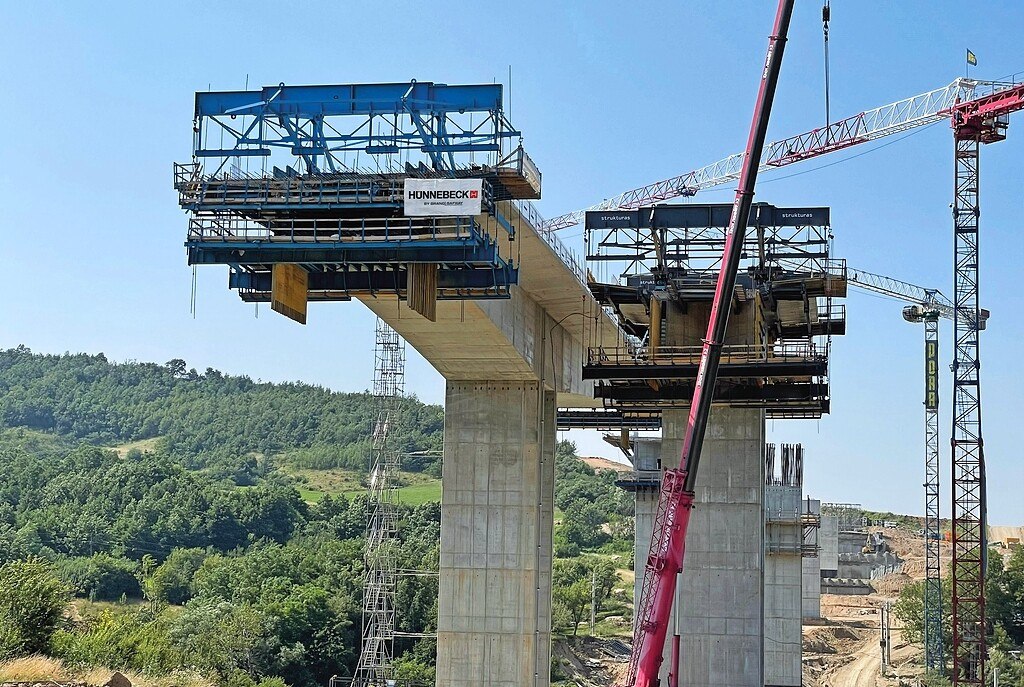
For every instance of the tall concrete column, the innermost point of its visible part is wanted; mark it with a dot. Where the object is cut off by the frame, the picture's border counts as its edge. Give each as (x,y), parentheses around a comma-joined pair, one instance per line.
(811,568)
(783,609)
(720,596)
(720,602)
(497,505)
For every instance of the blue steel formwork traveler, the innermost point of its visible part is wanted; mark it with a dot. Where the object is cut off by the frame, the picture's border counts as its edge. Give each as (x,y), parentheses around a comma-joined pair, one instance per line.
(315,176)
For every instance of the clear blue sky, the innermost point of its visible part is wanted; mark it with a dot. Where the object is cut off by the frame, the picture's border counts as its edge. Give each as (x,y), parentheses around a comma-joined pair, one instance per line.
(610,95)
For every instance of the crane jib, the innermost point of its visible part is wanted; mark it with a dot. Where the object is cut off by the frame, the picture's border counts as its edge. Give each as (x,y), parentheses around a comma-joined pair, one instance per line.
(968,96)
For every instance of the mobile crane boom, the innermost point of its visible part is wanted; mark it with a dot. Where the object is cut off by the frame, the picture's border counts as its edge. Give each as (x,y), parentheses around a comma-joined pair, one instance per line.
(675,502)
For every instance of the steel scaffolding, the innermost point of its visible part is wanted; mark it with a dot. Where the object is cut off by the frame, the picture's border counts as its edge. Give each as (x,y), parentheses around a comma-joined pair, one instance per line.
(378,633)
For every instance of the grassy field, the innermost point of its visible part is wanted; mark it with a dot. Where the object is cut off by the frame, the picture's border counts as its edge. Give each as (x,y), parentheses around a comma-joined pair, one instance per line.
(416,487)
(412,495)
(142,445)
(310,495)
(332,481)
(416,494)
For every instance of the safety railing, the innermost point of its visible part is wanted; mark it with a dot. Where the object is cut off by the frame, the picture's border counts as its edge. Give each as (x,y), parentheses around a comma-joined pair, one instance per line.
(229,190)
(529,170)
(231,228)
(810,519)
(832,312)
(638,479)
(186,173)
(529,212)
(307,190)
(795,351)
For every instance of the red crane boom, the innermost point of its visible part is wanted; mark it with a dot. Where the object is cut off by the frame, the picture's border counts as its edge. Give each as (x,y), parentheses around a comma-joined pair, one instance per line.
(978,112)
(675,503)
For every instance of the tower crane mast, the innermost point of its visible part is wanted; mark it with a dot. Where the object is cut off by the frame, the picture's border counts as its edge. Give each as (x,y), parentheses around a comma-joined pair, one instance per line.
(927,306)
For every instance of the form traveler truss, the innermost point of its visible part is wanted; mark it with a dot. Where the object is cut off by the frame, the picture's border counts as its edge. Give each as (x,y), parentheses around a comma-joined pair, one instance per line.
(669,256)
(315,176)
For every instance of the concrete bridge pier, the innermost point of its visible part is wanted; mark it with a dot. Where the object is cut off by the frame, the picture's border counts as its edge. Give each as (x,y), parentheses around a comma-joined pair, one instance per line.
(720,598)
(507,364)
(497,505)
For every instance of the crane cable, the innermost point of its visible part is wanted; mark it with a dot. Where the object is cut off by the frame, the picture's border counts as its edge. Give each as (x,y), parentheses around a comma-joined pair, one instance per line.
(826,15)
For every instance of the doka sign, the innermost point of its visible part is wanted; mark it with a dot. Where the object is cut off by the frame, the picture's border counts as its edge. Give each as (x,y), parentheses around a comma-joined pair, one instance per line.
(438,197)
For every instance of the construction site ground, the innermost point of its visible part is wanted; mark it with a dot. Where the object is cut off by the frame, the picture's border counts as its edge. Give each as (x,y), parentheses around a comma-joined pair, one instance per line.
(839,650)
(843,649)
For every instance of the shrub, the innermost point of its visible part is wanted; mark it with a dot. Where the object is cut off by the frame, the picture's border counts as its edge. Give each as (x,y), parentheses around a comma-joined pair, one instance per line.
(32,603)
(100,576)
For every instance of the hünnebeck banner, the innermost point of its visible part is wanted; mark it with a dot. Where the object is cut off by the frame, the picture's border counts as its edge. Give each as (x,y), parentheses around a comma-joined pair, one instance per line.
(438,197)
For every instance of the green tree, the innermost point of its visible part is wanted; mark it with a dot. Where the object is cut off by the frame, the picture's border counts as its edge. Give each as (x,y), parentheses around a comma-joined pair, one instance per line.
(1004,593)
(604,576)
(171,581)
(411,671)
(219,637)
(1004,607)
(582,525)
(32,603)
(909,609)
(134,638)
(100,576)
(574,599)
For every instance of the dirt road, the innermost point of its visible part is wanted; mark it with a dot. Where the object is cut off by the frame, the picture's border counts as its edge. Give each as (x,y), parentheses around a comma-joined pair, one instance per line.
(862,671)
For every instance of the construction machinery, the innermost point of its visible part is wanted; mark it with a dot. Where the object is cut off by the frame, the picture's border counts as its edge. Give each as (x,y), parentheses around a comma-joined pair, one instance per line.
(927,306)
(978,112)
(672,517)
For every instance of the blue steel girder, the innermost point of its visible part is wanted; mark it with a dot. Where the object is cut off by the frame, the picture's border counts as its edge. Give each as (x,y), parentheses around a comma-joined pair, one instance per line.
(253,253)
(478,283)
(314,122)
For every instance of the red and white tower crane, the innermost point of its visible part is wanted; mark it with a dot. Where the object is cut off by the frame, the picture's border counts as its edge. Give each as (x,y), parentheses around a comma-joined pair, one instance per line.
(978,112)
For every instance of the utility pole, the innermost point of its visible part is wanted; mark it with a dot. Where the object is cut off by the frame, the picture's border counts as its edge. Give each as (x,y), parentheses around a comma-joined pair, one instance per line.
(593,600)
(885,643)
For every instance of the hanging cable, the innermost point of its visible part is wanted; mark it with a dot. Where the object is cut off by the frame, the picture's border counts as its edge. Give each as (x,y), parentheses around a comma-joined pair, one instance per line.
(826,16)
(192,304)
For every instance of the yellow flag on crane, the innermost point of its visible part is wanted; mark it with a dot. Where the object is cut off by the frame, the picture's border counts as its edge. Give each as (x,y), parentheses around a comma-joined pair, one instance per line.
(972,59)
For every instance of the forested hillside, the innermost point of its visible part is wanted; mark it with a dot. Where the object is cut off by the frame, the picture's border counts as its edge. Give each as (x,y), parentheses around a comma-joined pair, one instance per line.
(165,504)
(228,425)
